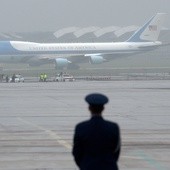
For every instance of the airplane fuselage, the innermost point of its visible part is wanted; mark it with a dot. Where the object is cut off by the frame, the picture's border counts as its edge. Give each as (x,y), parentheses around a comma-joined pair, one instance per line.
(31,48)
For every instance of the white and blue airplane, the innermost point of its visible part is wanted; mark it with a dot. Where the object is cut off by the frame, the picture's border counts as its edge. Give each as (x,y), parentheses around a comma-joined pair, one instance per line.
(143,40)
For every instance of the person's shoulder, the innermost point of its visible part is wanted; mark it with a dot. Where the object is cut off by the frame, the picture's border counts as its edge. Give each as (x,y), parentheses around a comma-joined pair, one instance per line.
(82,124)
(112,124)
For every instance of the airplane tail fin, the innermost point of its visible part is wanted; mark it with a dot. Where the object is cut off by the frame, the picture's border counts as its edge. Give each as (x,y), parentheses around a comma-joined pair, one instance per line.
(150,30)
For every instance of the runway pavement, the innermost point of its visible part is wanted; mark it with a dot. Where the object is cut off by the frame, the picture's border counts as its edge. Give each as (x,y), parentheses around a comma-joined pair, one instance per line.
(37,121)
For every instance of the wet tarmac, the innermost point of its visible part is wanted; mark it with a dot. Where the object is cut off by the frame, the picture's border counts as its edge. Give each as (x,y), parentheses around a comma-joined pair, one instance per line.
(37,121)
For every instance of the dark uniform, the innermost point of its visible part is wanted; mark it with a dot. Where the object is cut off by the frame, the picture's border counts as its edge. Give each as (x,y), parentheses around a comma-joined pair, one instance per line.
(96,144)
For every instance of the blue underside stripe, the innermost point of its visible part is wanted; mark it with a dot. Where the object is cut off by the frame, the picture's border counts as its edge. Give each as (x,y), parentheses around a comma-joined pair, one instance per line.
(6,48)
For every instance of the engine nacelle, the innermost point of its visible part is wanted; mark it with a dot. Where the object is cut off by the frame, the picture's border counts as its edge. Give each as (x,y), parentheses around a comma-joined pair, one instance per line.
(61,62)
(96,59)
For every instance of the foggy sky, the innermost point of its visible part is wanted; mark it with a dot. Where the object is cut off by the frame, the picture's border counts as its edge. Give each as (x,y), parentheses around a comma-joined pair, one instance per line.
(51,15)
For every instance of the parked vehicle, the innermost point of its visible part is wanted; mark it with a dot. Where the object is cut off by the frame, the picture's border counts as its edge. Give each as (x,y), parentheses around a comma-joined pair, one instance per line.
(16,78)
(61,77)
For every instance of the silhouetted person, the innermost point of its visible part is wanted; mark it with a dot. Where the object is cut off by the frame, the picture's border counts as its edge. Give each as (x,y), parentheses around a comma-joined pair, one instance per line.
(13,78)
(41,77)
(1,77)
(45,77)
(7,78)
(96,144)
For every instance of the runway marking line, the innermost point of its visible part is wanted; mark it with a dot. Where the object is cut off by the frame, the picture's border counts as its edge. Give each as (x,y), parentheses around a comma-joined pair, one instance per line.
(49,132)
(59,138)
(151,161)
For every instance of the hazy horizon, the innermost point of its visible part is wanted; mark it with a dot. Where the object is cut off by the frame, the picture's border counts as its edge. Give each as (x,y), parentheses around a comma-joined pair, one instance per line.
(52,15)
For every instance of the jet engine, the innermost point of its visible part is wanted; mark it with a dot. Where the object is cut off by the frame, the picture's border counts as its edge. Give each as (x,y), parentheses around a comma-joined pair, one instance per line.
(96,59)
(62,62)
